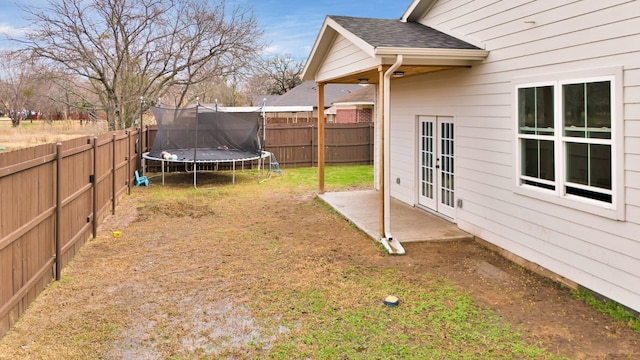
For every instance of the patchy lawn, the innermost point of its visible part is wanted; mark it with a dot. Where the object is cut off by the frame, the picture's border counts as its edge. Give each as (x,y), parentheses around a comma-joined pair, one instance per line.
(266,270)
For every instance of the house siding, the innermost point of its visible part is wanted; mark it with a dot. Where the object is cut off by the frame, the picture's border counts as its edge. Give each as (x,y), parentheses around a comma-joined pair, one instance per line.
(344,57)
(594,251)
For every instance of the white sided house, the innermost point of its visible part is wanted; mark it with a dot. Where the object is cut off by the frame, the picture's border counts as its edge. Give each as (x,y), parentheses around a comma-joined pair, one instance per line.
(517,120)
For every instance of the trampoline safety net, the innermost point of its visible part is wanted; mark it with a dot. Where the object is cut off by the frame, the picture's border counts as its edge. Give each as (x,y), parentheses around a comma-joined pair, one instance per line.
(204,134)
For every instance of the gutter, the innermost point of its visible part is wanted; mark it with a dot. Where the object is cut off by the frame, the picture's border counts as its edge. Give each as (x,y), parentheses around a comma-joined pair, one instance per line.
(435,53)
(392,245)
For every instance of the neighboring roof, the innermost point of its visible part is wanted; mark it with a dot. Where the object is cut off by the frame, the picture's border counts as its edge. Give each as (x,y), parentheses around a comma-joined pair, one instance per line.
(306,94)
(397,34)
(365,95)
(267,109)
(258,100)
(331,111)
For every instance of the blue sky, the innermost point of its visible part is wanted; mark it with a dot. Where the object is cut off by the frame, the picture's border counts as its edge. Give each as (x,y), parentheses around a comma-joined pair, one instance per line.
(290,26)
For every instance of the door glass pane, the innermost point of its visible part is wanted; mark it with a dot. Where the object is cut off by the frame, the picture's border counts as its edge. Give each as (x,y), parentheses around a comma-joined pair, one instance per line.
(427,155)
(446,165)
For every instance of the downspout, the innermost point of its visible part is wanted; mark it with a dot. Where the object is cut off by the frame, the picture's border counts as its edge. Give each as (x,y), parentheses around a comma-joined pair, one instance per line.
(392,245)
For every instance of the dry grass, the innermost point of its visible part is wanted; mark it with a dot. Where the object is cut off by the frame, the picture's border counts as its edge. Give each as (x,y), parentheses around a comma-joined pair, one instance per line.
(265,270)
(42,132)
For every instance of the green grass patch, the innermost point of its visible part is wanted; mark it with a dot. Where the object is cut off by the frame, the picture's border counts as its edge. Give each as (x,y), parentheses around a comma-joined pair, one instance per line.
(611,308)
(348,319)
(335,177)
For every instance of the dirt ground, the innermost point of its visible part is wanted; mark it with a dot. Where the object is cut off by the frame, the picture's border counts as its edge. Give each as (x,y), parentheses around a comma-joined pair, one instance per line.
(191,259)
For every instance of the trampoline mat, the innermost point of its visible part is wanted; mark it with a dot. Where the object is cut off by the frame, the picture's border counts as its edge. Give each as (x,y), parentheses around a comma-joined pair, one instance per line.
(206,155)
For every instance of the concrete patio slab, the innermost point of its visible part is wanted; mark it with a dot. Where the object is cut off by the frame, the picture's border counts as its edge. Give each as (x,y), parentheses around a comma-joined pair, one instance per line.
(408,224)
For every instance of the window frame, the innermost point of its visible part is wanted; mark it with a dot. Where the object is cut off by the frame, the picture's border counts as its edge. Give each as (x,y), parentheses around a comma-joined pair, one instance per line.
(559,195)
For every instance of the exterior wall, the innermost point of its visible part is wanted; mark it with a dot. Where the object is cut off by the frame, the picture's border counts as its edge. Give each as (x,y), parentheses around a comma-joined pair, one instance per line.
(354,114)
(344,57)
(345,116)
(595,251)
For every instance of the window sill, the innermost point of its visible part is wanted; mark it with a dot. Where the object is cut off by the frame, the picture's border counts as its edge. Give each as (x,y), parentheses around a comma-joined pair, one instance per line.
(573,202)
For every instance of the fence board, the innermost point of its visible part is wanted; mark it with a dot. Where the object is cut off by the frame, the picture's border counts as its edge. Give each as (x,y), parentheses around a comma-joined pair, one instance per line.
(28,209)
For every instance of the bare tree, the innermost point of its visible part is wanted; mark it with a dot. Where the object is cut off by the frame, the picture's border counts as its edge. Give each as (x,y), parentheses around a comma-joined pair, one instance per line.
(127,49)
(274,76)
(18,85)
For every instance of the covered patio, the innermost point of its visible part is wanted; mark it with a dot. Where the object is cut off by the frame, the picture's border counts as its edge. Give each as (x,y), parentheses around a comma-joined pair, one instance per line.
(379,51)
(408,223)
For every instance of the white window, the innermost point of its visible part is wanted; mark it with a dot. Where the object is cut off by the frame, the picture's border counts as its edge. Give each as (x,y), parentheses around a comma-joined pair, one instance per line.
(565,143)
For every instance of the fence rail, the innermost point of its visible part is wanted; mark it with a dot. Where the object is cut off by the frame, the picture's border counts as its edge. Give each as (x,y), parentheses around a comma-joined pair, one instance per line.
(53,196)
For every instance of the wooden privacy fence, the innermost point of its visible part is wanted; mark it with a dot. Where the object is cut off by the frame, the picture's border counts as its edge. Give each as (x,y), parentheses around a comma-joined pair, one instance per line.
(52,197)
(296,145)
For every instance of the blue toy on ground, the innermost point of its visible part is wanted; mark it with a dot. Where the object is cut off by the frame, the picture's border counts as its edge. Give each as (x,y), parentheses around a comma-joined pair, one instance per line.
(141,180)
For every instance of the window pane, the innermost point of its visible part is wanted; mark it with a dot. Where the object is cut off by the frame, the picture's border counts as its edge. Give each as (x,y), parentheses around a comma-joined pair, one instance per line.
(587,110)
(544,100)
(535,110)
(526,109)
(599,109)
(589,164)
(577,163)
(573,107)
(600,169)
(538,159)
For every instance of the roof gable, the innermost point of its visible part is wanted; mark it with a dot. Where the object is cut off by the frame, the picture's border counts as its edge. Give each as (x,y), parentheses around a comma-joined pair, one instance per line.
(382,40)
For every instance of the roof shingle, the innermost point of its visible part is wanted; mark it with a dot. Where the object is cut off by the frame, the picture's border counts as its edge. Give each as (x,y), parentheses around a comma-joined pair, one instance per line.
(395,33)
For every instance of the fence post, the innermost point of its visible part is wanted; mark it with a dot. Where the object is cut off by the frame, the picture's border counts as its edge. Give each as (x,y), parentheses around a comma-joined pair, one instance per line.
(128,132)
(94,228)
(371,144)
(113,177)
(312,127)
(58,210)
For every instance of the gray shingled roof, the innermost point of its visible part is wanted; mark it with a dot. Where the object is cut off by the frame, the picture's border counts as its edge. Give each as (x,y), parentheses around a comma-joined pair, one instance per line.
(395,33)
(306,94)
(366,93)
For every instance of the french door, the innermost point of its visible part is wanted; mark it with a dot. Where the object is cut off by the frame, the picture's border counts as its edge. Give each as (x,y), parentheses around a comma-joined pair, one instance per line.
(436,164)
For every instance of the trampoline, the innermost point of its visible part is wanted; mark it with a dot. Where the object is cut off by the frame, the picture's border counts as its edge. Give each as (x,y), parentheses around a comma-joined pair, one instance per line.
(206,135)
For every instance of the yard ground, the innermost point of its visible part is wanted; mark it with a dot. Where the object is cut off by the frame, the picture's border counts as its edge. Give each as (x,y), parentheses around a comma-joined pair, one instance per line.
(266,270)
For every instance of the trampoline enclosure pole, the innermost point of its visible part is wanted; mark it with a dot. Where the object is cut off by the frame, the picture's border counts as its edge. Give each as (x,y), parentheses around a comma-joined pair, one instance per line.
(195,148)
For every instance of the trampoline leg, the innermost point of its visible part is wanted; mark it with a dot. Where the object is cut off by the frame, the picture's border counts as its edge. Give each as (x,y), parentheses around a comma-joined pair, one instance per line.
(233,176)
(162,172)
(195,185)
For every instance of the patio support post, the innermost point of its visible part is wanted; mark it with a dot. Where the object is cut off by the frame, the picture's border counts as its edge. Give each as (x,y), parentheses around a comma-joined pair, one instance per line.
(320,137)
